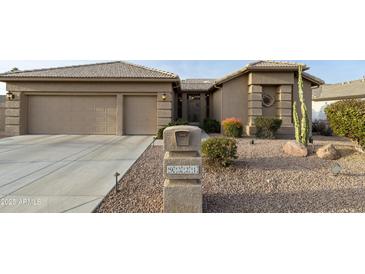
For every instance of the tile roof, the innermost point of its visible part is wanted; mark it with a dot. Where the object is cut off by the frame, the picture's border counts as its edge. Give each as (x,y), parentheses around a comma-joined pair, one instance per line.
(117,69)
(124,70)
(275,64)
(196,84)
(346,90)
(270,66)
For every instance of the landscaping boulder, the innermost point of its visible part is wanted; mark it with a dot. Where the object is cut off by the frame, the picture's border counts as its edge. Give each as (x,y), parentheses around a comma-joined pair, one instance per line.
(359,148)
(328,152)
(295,149)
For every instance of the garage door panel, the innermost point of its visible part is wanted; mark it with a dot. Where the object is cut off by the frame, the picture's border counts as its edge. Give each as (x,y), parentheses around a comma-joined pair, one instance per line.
(72,115)
(140,115)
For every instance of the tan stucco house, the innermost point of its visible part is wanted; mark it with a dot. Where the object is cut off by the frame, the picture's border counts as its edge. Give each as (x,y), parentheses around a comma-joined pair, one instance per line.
(330,93)
(2,113)
(263,88)
(119,98)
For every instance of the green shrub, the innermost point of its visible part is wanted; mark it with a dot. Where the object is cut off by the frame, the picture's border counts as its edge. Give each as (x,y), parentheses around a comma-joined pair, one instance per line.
(232,127)
(266,127)
(220,150)
(173,123)
(211,126)
(347,118)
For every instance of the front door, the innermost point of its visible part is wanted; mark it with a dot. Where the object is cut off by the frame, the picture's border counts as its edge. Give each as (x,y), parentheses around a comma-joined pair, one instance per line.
(193,108)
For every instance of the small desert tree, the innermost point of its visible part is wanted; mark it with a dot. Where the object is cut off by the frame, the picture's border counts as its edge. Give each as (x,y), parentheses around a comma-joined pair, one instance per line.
(302,126)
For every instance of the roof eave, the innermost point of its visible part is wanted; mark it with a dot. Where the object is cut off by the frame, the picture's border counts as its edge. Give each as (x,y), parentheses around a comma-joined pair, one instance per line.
(256,69)
(231,76)
(314,80)
(86,79)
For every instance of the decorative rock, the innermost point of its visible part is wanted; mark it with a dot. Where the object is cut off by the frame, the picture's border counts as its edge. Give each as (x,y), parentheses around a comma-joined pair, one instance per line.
(295,149)
(328,152)
(359,148)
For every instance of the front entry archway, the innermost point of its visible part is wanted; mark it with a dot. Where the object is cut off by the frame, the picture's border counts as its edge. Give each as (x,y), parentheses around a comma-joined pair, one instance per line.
(194,108)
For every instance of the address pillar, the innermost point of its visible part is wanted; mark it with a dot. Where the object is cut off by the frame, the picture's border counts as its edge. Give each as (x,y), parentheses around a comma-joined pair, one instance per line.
(182,164)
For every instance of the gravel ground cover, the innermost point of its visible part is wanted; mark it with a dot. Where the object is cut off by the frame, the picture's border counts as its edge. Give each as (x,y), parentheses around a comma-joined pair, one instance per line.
(263,179)
(140,189)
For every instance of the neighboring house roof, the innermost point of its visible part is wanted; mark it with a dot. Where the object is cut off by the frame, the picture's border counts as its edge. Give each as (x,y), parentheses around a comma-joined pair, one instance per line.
(347,90)
(270,66)
(197,84)
(111,70)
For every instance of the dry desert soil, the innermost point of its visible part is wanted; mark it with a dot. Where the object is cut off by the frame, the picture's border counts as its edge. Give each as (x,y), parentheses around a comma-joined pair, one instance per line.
(263,179)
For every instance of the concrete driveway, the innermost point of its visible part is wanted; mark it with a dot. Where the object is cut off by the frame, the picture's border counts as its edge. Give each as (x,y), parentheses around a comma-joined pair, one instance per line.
(63,173)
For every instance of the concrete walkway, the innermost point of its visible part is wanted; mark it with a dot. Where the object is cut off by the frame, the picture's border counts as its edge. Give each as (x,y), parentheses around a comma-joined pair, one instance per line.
(63,173)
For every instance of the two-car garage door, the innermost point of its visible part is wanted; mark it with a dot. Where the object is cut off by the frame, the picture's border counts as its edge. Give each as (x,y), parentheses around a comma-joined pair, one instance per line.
(73,114)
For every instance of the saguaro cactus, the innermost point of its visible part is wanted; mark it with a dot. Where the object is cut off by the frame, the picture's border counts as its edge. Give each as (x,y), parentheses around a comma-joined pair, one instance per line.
(302,127)
(296,122)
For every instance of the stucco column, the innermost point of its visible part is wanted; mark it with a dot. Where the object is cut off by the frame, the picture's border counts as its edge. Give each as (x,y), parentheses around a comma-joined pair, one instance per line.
(254,107)
(203,108)
(15,123)
(2,116)
(120,114)
(185,106)
(254,103)
(164,109)
(284,105)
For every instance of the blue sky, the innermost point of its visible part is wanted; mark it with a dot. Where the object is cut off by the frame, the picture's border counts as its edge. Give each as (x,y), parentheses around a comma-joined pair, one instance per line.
(329,71)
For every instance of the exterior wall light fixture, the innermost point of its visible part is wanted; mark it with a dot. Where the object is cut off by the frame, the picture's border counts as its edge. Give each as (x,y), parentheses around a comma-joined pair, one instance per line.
(10,96)
(164,97)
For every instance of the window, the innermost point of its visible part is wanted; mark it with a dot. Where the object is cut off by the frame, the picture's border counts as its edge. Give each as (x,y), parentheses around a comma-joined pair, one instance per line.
(267,100)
